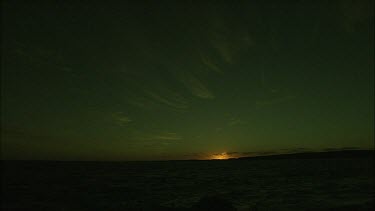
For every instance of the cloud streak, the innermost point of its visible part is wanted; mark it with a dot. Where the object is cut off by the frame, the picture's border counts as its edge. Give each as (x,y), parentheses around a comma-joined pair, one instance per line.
(195,86)
(121,118)
(263,103)
(210,64)
(168,136)
(235,121)
(176,102)
(164,136)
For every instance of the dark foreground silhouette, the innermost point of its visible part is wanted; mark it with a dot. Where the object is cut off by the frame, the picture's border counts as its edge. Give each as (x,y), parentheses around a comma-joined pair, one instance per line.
(335,181)
(217,203)
(348,154)
(208,203)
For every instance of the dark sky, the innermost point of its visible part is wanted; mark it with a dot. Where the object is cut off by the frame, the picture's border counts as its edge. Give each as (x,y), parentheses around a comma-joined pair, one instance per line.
(150,80)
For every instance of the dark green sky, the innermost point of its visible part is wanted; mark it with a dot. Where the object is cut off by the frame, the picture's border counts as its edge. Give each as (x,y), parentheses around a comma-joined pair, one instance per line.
(104,80)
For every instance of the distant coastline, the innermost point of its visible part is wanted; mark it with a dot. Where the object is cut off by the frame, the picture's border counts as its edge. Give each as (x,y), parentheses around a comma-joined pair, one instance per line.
(316,155)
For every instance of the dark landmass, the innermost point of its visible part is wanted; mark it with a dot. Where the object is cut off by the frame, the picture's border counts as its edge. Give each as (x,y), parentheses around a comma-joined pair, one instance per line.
(317,155)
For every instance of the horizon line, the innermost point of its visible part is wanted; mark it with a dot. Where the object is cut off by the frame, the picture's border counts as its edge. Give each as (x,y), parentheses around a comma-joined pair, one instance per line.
(192,159)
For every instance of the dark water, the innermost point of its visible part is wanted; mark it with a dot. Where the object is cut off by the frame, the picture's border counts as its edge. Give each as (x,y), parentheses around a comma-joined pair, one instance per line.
(296,184)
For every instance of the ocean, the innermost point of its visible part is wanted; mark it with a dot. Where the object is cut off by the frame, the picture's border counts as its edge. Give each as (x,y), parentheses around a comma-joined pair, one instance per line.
(279,184)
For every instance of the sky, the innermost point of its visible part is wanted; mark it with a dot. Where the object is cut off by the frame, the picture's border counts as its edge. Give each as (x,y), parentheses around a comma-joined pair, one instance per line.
(159,80)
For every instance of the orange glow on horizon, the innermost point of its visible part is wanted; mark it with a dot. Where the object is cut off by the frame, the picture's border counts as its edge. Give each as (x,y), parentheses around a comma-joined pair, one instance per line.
(221,156)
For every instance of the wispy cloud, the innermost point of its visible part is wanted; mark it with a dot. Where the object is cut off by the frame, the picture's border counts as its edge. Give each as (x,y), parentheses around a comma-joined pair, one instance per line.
(121,118)
(157,141)
(166,136)
(235,121)
(225,49)
(263,103)
(210,64)
(195,86)
(176,101)
(228,38)
(160,91)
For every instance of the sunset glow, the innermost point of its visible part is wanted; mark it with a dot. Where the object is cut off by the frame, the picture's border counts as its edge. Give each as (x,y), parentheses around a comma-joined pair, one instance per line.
(221,156)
